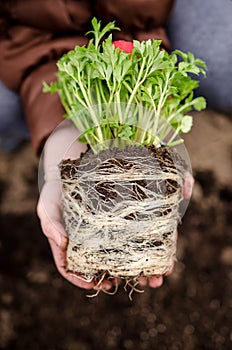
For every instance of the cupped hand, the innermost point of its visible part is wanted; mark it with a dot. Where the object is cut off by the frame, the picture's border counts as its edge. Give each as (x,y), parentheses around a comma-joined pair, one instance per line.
(49,212)
(61,145)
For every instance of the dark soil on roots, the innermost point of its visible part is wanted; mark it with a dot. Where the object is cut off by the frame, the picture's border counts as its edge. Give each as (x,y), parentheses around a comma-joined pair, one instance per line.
(41,310)
(113,161)
(96,183)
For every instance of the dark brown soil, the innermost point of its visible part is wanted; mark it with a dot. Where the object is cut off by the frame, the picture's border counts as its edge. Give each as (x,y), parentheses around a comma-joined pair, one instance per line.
(40,310)
(114,161)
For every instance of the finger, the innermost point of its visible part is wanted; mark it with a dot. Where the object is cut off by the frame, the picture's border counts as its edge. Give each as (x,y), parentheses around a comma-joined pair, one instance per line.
(108,284)
(155,281)
(61,144)
(60,261)
(52,229)
(104,285)
(142,281)
(167,273)
(188,185)
(48,210)
(55,231)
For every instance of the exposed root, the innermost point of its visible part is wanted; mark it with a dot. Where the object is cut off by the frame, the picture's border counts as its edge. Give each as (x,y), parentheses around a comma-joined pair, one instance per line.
(82,278)
(95,294)
(101,279)
(98,285)
(113,292)
(132,284)
(121,214)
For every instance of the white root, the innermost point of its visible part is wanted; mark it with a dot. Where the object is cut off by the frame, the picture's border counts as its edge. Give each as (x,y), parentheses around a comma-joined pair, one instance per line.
(122,221)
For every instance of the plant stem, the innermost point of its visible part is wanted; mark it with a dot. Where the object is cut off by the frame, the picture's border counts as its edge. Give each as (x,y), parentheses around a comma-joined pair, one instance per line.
(138,83)
(174,135)
(175,143)
(171,116)
(120,117)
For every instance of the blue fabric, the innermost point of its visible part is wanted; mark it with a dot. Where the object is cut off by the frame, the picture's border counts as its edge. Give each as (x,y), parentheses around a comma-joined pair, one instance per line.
(11,113)
(205,28)
(13,128)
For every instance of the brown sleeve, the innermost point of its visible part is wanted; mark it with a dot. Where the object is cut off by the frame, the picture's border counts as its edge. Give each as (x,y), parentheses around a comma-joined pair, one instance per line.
(28,48)
(29,52)
(43,111)
(53,16)
(38,33)
(138,19)
(23,68)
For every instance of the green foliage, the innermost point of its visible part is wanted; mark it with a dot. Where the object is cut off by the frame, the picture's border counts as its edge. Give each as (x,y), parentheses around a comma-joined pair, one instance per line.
(140,97)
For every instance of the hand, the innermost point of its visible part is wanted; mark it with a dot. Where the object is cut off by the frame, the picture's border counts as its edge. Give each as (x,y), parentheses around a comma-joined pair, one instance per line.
(60,145)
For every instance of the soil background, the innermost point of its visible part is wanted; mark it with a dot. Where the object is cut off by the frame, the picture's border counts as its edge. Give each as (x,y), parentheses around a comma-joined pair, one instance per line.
(193,308)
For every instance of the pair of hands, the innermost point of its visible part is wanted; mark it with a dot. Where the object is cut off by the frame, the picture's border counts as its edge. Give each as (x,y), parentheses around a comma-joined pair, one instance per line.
(62,144)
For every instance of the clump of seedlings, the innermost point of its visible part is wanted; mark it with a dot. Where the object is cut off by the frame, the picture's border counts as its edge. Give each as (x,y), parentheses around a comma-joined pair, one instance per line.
(121,198)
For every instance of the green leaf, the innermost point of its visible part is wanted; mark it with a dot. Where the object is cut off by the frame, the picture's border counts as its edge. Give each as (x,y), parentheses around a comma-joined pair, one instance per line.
(126,132)
(181,54)
(52,88)
(100,33)
(186,123)
(95,77)
(199,103)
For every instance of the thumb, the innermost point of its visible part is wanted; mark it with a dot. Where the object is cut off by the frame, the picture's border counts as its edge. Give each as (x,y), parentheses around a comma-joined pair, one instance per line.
(48,210)
(188,185)
(53,230)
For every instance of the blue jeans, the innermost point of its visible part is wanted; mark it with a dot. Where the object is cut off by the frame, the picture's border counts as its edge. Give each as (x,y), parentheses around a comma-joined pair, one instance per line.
(205,28)
(13,128)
